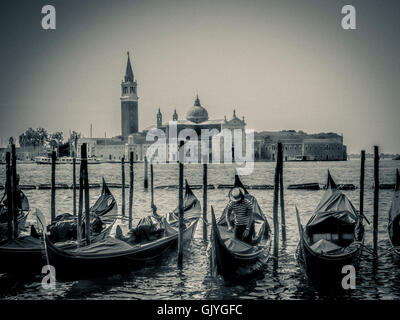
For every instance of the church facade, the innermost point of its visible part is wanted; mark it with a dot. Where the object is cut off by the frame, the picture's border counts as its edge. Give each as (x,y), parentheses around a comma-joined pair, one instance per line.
(197,119)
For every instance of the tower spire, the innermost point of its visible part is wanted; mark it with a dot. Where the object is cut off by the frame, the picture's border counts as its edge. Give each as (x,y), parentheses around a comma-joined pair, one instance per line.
(197,102)
(128,71)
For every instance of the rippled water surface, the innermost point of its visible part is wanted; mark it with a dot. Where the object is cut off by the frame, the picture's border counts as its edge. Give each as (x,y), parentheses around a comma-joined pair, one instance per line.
(165,281)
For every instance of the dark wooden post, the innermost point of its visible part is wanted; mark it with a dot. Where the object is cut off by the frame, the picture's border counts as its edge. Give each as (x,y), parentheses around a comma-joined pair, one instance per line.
(53,186)
(362,174)
(80,208)
(84,164)
(130,189)
(180,232)
(276,200)
(123,186)
(152,185)
(205,185)
(282,201)
(9,197)
(14,189)
(146,178)
(376,199)
(74,183)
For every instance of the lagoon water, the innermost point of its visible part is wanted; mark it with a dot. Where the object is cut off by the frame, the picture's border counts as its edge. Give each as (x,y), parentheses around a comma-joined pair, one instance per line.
(165,281)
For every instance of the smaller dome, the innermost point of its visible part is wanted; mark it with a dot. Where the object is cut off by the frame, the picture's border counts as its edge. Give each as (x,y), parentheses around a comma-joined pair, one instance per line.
(197,113)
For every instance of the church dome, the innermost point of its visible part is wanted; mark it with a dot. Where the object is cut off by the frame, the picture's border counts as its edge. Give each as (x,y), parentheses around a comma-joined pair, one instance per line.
(197,113)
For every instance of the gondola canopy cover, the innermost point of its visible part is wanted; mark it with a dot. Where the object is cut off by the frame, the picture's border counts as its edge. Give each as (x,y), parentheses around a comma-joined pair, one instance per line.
(334,205)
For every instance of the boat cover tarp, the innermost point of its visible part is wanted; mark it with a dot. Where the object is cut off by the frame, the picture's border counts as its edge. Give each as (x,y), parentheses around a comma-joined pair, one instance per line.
(325,246)
(334,205)
(64,227)
(109,245)
(27,242)
(148,229)
(235,245)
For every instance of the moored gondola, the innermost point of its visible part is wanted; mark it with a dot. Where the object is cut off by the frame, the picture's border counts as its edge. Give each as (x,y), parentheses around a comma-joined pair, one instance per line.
(103,216)
(332,238)
(120,254)
(394,218)
(25,254)
(233,258)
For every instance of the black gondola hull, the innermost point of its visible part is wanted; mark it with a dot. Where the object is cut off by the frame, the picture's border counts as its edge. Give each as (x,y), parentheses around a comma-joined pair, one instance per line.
(324,270)
(75,266)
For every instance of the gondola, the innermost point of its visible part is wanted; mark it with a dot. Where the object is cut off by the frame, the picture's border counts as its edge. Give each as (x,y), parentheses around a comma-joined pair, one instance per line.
(21,218)
(113,255)
(394,218)
(332,238)
(103,213)
(233,258)
(25,254)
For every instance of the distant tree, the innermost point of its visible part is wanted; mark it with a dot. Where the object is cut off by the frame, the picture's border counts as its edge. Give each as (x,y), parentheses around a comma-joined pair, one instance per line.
(11,140)
(56,139)
(33,137)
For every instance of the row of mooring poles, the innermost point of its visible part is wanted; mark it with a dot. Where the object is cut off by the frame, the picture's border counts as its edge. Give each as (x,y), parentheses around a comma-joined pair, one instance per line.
(376,196)
(131,186)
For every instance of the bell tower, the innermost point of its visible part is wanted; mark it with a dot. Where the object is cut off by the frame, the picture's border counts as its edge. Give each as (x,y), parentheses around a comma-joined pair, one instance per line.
(159,118)
(129,103)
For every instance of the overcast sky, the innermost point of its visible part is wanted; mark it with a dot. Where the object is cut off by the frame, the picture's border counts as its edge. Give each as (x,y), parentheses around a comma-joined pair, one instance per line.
(281,64)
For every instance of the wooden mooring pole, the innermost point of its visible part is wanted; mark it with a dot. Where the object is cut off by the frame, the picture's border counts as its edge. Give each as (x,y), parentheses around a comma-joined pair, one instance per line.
(180,232)
(376,199)
(9,196)
(53,186)
(152,183)
(362,175)
(205,185)
(130,189)
(123,186)
(282,201)
(146,178)
(80,208)
(74,183)
(14,189)
(84,163)
(276,200)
